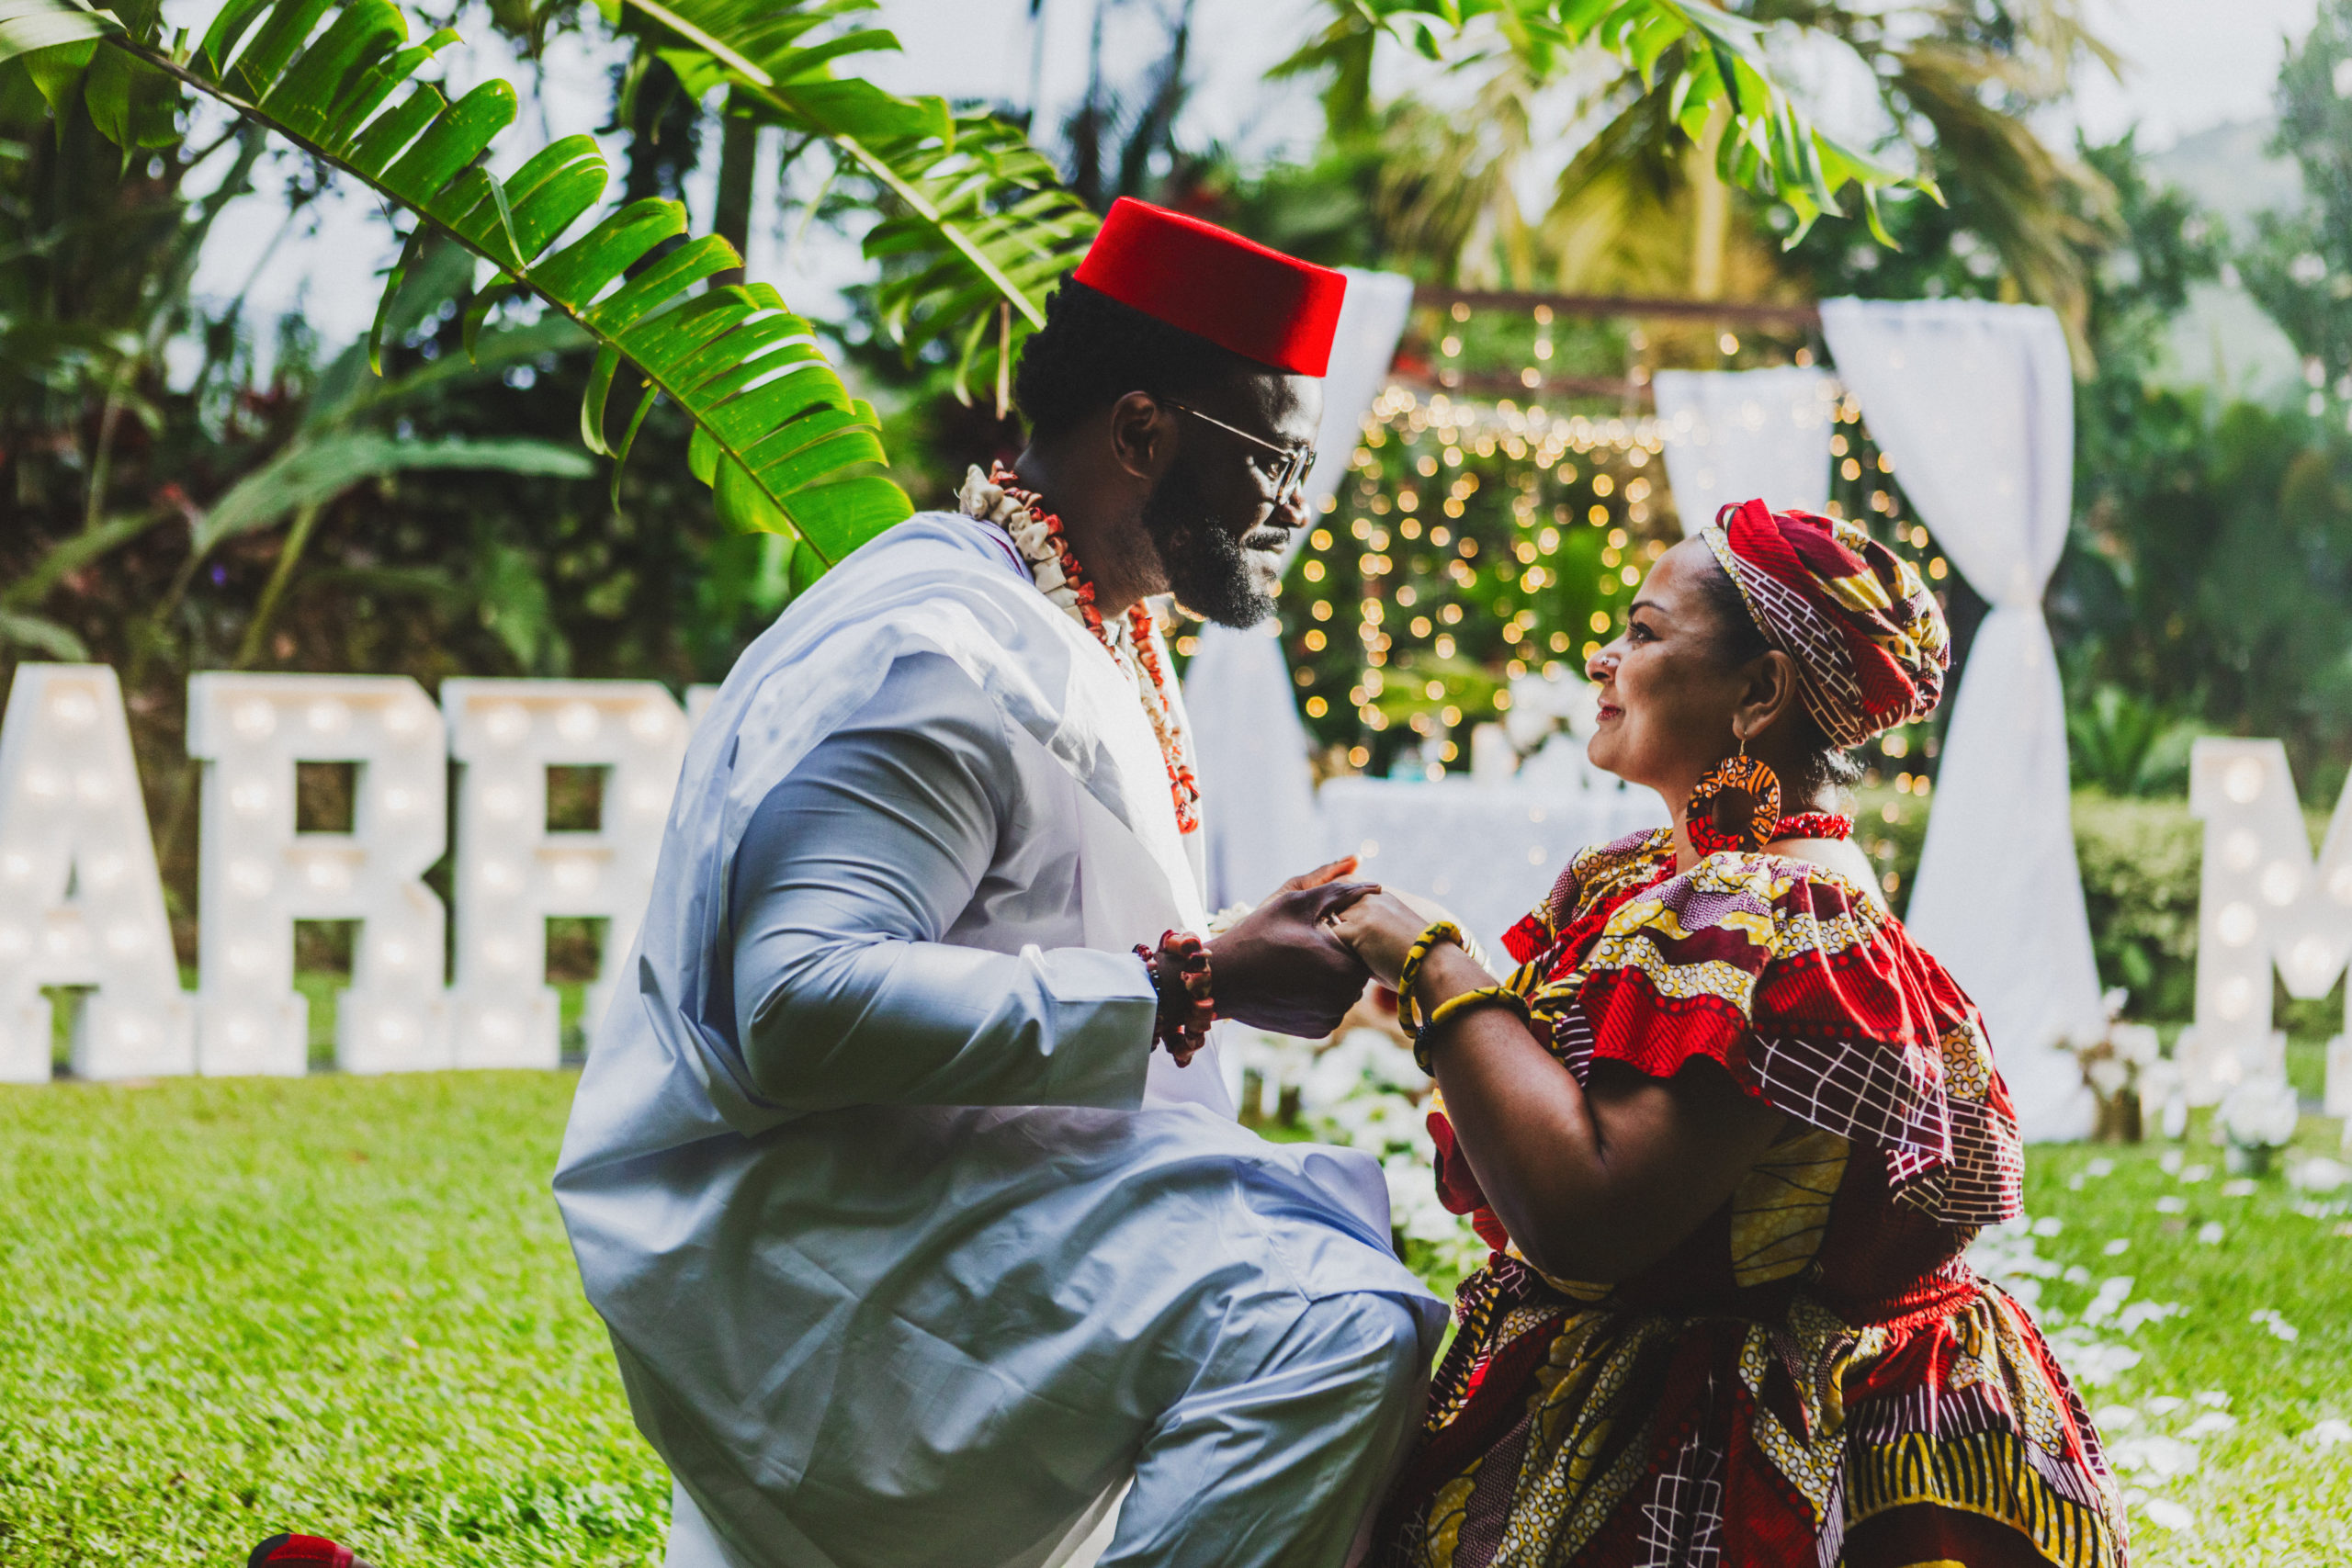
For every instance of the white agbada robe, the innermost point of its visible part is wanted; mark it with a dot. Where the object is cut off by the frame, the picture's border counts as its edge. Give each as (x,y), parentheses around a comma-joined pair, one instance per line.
(906,1334)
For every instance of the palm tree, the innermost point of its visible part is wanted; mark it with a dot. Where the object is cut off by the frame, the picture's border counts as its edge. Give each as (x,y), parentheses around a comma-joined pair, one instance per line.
(1640,208)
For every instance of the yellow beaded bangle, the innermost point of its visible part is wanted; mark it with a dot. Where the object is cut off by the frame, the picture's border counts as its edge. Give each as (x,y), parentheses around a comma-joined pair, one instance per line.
(1454,1007)
(1409,1012)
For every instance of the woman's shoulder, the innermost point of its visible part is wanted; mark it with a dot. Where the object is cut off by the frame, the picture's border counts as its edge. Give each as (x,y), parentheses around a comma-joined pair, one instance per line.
(1788,942)
(1815,998)
(1594,875)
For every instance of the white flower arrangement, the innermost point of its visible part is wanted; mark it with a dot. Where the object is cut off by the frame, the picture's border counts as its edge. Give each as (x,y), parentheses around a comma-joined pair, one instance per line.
(2124,1066)
(1364,1090)
(2256,1121)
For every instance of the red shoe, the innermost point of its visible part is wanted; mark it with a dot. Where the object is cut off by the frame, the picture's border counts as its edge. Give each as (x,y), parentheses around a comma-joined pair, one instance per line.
(303,1552)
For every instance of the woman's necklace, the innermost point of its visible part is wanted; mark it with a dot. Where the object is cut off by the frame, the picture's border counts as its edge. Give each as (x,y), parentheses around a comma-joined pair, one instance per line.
(1133,643)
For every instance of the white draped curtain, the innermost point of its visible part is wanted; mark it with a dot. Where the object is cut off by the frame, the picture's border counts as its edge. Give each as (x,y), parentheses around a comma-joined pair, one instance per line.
(1258,792)
(1974,404)
(1732,436)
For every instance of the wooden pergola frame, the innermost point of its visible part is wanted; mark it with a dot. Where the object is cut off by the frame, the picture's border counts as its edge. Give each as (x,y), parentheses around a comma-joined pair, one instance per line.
(1799,317)
(1602,305)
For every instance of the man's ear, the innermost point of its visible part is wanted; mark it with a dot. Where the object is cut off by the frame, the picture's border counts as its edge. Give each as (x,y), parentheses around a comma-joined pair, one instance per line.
(1771,693)
(1143,436)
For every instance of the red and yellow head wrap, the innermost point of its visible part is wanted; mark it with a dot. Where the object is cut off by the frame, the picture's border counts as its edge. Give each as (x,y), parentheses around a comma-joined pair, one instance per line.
(1869,640)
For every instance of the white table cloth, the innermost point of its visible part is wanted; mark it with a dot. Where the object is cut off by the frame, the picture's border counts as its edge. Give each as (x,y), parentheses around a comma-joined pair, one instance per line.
(1488,852)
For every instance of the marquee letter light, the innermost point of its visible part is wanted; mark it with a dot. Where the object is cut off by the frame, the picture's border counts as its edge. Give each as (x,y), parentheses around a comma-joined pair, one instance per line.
(80,902)
(513,874)
(2263,900)
(257,875)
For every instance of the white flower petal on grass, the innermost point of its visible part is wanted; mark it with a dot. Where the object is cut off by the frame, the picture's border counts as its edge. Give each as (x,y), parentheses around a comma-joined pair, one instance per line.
(2196,1173)
(2172,1203)
(2117,1247)
(2210,1233)
(2049,1224)
(2170,1163)
(2166,1513)
(2152,1457)
(2213,1398)
(2212,1424)
(2091,1361)
(2077,1274)
(2330,1433)
(2132,1318)
(2165,1404)
(2114,1417)
(2321,1175)
(2279,1327)
(2241,1186)
(2111,1296)
(2100,1166)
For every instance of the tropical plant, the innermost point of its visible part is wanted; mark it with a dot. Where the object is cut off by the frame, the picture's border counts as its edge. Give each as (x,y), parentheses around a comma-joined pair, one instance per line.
(1640,208)
(778,438)
(2300,266)
(977,225)
(2126,745)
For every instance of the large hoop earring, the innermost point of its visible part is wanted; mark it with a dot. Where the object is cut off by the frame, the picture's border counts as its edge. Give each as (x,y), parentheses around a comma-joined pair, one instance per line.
(1736,806)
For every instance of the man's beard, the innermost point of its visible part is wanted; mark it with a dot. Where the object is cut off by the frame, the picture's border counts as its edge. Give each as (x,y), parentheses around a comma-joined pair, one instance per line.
(1208,569)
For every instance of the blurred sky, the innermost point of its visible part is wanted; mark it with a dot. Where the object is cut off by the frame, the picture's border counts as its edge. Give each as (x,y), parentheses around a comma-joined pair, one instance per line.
(2190,66)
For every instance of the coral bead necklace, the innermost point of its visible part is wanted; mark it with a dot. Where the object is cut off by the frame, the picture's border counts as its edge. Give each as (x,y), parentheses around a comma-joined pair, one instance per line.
(1133,641)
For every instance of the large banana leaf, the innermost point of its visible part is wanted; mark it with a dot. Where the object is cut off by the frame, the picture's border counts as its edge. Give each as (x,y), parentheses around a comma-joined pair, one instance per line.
(312,472)
(784,447)
(979,227)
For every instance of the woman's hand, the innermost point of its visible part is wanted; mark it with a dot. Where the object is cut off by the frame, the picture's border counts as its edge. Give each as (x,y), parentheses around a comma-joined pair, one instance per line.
(1379,928)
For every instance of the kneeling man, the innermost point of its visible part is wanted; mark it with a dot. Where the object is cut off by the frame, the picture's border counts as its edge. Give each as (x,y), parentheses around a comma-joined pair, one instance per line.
(902,1176)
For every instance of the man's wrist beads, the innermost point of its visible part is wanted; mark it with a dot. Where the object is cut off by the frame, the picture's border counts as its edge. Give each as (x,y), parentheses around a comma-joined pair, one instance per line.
(1408,1006)
(1178,968)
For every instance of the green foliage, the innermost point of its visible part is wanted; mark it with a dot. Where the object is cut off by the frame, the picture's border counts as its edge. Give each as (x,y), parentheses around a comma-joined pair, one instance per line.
(1472,544)
(2212,572)
(2300,266)
(976,227)
(2126,746)
(316,472)
(1465,547)
(1699,56)
(781,442)
(2140,862)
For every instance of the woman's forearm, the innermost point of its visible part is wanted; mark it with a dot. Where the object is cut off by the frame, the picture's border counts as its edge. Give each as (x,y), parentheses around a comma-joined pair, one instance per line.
(1592,1184)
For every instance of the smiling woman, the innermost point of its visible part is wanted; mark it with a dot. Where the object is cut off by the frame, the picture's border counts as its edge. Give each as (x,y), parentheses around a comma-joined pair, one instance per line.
(1730,1133)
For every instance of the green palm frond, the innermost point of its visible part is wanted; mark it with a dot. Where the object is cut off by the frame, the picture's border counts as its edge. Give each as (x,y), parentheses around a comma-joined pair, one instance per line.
(1700,56)
(979,227)
(784,447)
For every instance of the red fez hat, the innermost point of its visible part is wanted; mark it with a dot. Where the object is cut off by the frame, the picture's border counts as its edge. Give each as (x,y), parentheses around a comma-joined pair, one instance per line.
(1261,304)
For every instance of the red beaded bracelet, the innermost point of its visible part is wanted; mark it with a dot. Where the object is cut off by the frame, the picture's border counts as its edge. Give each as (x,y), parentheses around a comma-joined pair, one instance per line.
(1180,976)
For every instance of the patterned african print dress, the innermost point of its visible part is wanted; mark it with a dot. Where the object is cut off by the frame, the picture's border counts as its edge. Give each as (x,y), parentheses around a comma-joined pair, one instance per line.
(1814,1376)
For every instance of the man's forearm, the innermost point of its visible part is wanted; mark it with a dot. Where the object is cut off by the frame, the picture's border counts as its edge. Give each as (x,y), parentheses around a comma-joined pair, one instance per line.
(864,1023)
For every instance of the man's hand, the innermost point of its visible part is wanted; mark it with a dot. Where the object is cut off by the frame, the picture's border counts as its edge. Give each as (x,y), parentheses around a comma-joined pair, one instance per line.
(1280,968)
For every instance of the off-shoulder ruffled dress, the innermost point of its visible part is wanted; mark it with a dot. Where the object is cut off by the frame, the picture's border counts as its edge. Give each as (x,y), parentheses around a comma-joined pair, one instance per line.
(1815,1375)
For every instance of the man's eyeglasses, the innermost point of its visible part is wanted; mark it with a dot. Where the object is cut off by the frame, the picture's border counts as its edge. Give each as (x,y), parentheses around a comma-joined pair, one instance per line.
(1290,479)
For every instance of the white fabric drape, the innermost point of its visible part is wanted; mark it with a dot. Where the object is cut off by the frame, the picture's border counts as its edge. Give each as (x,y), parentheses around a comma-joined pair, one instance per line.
(1732,436)
(1251,752)
(1974,403)
(1251,748)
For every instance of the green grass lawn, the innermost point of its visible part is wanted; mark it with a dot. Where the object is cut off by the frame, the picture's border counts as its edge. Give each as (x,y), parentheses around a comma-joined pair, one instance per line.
(230,1307)
(344,1304)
